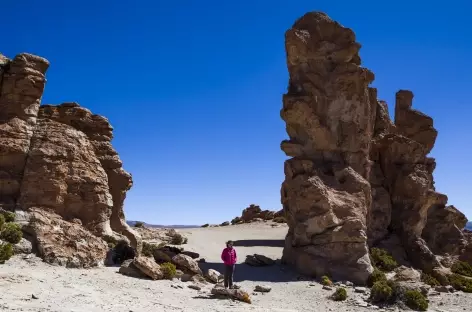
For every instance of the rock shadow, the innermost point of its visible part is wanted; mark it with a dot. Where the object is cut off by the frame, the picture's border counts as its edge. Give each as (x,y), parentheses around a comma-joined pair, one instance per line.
(275,273)
(260,243)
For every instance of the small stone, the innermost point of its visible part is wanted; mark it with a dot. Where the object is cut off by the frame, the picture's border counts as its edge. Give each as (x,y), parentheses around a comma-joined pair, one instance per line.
(327,287)
(441,289)
(262,288)
(194,286)
(349,284)
(360,290)
(34,296)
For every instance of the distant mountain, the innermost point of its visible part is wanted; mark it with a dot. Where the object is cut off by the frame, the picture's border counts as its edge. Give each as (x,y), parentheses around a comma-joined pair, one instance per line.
(132,223)
(468,226)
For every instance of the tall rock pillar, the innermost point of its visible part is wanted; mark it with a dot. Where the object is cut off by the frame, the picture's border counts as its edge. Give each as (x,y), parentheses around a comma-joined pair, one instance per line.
(329,111)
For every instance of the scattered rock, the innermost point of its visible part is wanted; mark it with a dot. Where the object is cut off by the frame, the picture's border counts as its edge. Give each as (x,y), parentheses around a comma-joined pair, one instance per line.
(214,276)
(262,288)
(237,294)
(149,267)
(226,223)
(194,286)
(326,287)
(186,264)
(407,274)
(349,284)
(441,289)
(33,296)
(360,290)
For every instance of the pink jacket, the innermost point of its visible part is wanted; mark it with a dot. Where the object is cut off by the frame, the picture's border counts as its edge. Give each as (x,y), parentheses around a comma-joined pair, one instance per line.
(229,256)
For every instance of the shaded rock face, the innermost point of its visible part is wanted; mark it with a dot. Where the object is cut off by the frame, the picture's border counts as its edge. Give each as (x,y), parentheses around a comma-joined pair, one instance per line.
(354,176)
(58,165)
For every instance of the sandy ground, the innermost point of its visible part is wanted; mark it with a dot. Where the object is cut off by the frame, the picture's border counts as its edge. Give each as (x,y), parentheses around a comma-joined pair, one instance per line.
(28,284)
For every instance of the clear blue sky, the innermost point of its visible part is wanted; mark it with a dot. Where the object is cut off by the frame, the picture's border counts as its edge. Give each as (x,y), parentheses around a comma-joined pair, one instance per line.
(193,88)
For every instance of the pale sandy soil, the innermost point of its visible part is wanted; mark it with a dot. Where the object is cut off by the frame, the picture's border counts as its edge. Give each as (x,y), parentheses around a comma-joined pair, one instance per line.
(103,289)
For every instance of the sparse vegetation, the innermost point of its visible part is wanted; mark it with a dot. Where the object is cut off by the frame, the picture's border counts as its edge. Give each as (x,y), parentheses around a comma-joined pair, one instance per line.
(376,276)
(326,281)
(382,259)
(2,221)
(415,300)
(11,233)
(139,224)
(460,282)
(110,240)
(148,249)
(340,294)
(429,280)
(6,252)
(205,225)
(9,216)
(169,270)
(462,268)
(178,239)
(381,292)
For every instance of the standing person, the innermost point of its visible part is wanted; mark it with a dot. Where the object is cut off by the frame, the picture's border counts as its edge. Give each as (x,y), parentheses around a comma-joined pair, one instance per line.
(229,258)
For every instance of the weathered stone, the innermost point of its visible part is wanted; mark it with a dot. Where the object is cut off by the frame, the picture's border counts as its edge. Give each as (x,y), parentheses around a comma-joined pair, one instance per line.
(149,267)
(407,274)
(23,247)
(129,269)
(355,178)
(186,264)
(58,162)
(262,288)
(191,254)
(214,276)
(237,294)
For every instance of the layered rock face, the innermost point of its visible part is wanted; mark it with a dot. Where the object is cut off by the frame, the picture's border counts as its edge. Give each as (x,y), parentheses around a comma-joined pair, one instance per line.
(59,169)
(355,178)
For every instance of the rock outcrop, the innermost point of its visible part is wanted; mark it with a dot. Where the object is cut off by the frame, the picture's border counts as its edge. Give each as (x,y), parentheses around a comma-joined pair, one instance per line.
(59,169)
(255,213)
(355,178)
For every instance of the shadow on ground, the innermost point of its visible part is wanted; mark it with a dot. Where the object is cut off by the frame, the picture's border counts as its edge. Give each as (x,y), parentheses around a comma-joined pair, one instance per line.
(243,272)
(259,243)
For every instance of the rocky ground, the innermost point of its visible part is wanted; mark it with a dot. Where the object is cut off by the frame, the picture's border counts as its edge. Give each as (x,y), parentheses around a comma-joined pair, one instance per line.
(28,284)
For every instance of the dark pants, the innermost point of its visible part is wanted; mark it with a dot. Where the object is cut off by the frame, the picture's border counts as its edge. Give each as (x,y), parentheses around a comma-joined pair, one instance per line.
(229,272)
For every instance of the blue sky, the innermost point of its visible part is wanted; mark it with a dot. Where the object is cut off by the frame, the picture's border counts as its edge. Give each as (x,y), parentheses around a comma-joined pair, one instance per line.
(193,88)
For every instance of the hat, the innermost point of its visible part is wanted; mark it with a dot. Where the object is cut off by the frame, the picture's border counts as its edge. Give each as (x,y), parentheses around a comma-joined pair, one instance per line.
(229,242)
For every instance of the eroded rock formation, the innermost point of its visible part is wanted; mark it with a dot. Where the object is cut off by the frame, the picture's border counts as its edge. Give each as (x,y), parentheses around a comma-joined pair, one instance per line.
(59,169)
(355,178)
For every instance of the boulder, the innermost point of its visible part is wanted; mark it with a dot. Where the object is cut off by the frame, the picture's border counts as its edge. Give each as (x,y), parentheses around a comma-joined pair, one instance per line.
(237,294)
(214,276)
(129,269)
(262,288)
(403,273)
(149,267)
(186,264)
